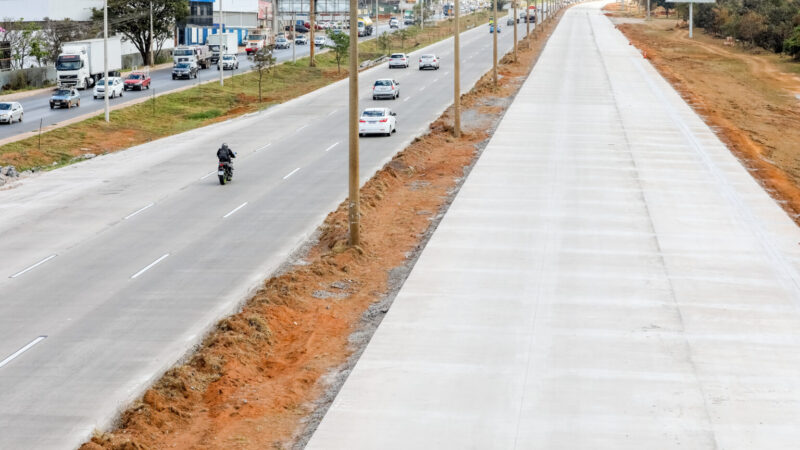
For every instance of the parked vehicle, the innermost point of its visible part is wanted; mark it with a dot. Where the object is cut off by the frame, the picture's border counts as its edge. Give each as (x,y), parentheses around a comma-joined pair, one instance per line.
(399,60)
(229,62)
(196,55)
(80,63)
(282,42)
(221,44)
(256,40)
(301,39)
(184,70)
(377,121)
(65,98)
(115,88)
(385,88)
(138,79)
(319,41)
(10,111)
(394,23)
(429,62)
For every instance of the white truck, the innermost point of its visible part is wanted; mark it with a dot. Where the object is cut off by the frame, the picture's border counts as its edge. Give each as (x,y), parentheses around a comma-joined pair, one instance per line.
(228,41)
(196,55)
(256,40)
(80,63)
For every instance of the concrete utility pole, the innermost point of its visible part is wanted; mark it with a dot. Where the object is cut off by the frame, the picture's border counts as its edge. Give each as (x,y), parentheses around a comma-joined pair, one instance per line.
(311,62)
(105,58)
(353,202)
(275,19)
(648,9)
(422,14)
(152,51)
(527,18)
(456,72)
(294,33)
(515,30)
(691,19)
(221,50)
(494,42)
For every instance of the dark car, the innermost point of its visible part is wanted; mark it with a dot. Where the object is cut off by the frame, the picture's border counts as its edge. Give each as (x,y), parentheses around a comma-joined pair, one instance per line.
(510,21)
(65,98)
(184,70)
(301,28)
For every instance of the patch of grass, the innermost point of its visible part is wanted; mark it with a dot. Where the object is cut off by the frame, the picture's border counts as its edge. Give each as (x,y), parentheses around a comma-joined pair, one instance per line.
(203,104)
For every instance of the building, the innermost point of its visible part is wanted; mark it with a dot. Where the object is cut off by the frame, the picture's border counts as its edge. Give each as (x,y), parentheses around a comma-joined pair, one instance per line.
(38,10)
(238,17)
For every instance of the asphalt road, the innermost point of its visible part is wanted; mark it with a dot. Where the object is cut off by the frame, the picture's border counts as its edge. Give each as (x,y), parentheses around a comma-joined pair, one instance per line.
(37,107)
(114,267)
(610,276)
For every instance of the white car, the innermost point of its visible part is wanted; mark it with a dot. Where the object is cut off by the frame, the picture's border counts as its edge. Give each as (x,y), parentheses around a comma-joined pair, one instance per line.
(115,88)
(301,39)
(377,121)
(385,88)
(10,111)
(229,62)
(319,41)
(429,62)
(399,60)
(394,23)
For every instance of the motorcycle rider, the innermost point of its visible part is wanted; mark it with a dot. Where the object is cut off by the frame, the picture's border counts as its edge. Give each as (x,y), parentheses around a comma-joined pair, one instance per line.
(225,155)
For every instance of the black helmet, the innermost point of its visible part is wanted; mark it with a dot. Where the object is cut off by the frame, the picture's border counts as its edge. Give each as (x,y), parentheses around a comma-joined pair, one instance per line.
(224,145)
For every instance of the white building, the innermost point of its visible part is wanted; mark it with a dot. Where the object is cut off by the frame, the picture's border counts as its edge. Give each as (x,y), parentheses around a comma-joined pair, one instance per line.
(237,13)
(38,10)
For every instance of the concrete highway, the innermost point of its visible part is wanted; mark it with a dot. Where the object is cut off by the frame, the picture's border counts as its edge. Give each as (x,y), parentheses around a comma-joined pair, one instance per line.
(37,106)
(609,277)
(113,268)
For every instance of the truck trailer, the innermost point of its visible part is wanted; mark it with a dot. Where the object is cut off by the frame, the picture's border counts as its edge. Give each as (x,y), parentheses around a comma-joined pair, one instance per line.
(81,63)
(228,41)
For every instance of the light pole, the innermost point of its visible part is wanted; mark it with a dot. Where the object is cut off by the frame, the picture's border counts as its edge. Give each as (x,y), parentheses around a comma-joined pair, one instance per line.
(494,42)
(221,49)
(294,33)
(105,58)
(152,54)
(353,202)
(515,30)
(456,73)
(527,18)
(311,62)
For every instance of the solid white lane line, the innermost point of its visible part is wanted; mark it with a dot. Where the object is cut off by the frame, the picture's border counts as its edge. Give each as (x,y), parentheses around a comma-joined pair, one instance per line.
(301,128)
(334,145)
(208,175)
(234,210)
(33,266)
(291,173)
(138,211)
(22,350)
(332,112)
(149,266)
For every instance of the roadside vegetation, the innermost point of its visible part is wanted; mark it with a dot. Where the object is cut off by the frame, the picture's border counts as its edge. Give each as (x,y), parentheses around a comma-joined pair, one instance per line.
(207,103)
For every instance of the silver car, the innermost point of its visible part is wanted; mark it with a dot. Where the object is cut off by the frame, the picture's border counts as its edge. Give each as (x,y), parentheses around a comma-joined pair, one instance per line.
(385,88)
(399,60)
(429,62)
(10,111)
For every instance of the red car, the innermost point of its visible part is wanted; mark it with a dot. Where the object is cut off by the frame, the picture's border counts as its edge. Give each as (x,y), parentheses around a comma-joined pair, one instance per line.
(137,80)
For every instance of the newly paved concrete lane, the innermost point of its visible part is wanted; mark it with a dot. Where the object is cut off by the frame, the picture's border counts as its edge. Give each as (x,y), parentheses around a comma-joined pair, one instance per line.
(609,276)
(123,261)
(37,107)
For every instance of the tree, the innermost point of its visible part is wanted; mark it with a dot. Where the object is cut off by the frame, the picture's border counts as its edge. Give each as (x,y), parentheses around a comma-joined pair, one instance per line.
(132,19)
(56,32)
(263,62)
(20,35)
(666,5)
(792,44)
(750,26)
(384,41)
(340,48)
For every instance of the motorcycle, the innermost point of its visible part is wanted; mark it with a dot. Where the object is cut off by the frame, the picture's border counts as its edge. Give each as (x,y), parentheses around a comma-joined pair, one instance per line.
(225,172)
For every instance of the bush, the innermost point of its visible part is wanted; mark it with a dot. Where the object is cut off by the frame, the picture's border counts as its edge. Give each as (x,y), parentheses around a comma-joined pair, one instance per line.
(19,81)
(792,44)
